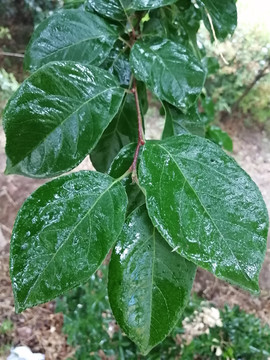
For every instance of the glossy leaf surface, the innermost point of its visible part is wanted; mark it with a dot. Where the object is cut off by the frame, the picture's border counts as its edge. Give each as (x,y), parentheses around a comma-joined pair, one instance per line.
(120,165)
(121,131)
(57,117)
(117,63)
(145,4)
(220,137)
(206,207)
(177,122)
(62,234)
(162,23)
(73,4)
(149,285)
(190,22)
(109,8)
(224,17)
(75,35)
(169,70)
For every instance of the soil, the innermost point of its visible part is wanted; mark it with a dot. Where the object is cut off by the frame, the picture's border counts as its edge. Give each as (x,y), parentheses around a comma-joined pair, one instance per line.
(40,328)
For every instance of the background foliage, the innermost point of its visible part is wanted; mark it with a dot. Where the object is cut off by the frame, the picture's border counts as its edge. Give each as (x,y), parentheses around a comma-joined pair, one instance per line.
(248,56)
(230,334)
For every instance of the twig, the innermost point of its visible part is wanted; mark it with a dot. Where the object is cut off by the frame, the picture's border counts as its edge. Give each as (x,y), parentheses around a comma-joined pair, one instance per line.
(258,77)
(215,37)
(11,54)
(125,42)
(141,139)
(129,21)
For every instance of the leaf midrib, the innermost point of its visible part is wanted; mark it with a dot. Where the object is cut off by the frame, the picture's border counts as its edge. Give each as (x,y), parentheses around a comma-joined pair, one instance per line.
(65,241)
(152,285)
(206,211)
(69,46)
(165,65)
(61,123)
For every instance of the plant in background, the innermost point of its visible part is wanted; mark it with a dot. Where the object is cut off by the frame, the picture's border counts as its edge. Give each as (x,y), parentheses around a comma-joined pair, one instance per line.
(241,336)
(6,335)
(164,206)
(243,83)
(205,333)
(8,84)
(87,305)
(5,33)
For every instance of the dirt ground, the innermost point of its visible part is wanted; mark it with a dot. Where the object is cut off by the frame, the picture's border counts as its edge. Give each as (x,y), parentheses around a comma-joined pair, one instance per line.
(40,328)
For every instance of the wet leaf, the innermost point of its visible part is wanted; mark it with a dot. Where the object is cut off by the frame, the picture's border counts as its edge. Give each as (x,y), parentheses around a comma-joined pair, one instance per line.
(224,17)
(62,234)
(121,131)
(109,8)
(209,111)
(117,63)
(149,285)
(211,64)
(75,35)
(190,21)
(177,122)
(206,207)
(220,137)
(120,165)
(57,117)
(145,4)
(162,23)
(155,62)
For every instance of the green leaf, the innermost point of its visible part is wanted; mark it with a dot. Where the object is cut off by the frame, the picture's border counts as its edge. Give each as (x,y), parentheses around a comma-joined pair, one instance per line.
(211,65)
(75,35)
(206,207)
(62,234)
(109,8)
(73,4)
(121,131)
(149,285)
(223,15)
(145,4)
(117,63)
(162,23)
(220,137)
(190,22)
(208,106)
(179,123)
(120,165)
(57,116)
(155,62)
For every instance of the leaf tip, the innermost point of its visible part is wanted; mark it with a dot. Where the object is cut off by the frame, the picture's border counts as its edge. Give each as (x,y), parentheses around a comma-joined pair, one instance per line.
(145,350)
(9,168)
(19,308)
(7,171)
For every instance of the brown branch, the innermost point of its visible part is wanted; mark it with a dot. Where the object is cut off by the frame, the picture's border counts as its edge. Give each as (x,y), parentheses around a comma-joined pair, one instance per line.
(141,140)
(134,90)
(11,54)
(258,77)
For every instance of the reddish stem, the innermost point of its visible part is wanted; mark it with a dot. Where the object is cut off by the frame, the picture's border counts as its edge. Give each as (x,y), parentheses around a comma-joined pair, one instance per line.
(141,140)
